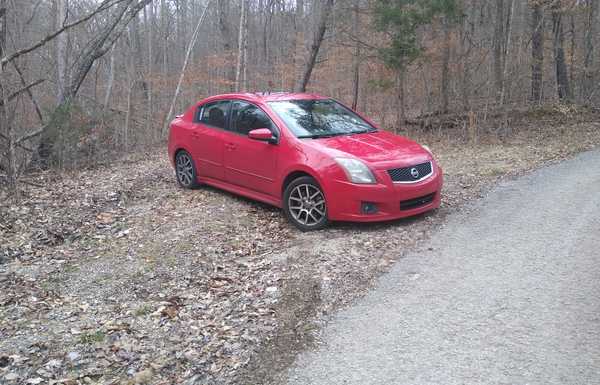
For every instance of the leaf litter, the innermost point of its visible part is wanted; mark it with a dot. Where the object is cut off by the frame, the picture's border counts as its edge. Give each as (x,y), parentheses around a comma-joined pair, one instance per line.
(115,275)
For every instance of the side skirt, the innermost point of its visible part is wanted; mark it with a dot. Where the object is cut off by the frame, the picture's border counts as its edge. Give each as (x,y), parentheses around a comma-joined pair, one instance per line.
(258,196)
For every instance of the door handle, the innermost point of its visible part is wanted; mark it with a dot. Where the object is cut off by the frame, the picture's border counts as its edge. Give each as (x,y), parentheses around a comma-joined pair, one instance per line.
(230,146)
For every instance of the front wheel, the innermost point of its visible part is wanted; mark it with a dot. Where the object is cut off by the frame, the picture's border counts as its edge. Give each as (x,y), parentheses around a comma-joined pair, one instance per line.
(304,204)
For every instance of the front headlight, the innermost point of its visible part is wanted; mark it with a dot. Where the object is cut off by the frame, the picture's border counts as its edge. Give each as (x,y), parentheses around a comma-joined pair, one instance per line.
(357,171)
(427,149)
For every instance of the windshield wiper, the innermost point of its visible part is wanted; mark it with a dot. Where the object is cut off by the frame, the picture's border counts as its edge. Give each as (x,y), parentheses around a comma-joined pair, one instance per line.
(364,131)
(318,136)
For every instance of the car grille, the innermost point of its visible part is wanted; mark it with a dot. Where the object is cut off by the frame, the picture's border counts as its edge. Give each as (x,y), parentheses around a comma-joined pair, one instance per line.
(417,202)
(405,174)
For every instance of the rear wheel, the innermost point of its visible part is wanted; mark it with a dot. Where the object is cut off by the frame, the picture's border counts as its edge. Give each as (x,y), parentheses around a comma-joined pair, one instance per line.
(305,205)
(185,170)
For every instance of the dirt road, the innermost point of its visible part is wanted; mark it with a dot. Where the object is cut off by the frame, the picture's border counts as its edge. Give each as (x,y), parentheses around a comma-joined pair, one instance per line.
(507,292)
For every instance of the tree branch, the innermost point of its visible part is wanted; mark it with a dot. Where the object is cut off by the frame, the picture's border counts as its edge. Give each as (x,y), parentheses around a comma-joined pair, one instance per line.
(31,135)
(38,111)
(106,4)
(19,92)
(104,42)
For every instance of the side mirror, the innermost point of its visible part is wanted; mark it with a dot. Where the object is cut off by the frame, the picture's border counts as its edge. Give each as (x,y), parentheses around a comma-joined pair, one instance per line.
(262,134)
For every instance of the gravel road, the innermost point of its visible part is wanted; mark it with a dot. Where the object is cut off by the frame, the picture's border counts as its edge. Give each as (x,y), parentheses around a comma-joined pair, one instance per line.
(507,292)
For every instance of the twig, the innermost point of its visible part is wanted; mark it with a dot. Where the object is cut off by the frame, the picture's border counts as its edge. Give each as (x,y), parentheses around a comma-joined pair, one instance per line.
(31,183)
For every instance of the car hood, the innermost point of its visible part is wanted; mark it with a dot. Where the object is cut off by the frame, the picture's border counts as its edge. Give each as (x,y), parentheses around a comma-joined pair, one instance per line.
(380,149)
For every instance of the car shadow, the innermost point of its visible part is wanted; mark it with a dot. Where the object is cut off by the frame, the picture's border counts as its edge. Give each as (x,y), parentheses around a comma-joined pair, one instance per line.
(334,226)
(384,225)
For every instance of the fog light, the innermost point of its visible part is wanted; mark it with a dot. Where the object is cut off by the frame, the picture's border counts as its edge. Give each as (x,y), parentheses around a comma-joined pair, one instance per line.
(369,208)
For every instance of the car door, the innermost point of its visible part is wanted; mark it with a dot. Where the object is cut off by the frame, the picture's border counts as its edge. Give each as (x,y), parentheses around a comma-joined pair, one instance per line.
(250,163)
(208,138)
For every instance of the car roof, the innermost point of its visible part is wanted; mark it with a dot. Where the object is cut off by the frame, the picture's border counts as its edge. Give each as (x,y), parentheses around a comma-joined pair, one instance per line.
(266,96)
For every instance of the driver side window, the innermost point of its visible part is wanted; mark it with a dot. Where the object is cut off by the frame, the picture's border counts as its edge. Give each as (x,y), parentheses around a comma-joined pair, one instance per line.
(246,117)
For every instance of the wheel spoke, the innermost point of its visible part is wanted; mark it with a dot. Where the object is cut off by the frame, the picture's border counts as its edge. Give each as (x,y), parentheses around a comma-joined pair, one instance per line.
(314,195)
(299,217)
(322,213)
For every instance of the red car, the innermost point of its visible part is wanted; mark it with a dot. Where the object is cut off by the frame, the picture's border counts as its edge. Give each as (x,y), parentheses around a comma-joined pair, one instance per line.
(310,155)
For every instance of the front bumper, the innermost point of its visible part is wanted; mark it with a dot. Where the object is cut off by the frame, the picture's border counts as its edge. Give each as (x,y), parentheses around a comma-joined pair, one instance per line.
(345,200)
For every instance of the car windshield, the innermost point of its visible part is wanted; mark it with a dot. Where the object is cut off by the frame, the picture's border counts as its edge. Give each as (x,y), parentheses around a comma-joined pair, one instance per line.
(319,118)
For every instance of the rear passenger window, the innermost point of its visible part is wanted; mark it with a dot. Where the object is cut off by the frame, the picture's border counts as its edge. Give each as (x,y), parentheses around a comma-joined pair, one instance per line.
(214,114)
(246,117)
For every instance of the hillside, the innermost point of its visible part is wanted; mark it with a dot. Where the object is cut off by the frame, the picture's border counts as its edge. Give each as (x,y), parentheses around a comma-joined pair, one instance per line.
(116,274)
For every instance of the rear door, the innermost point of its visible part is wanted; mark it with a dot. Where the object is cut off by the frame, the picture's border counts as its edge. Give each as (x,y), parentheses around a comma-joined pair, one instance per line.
(208,138)
(250,163)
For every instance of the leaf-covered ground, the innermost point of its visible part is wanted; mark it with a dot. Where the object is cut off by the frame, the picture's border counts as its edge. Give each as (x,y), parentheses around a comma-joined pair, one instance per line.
(116,275)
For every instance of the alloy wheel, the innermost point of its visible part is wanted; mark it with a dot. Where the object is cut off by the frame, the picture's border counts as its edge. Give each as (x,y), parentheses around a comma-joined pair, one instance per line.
(185,169)
(306,203)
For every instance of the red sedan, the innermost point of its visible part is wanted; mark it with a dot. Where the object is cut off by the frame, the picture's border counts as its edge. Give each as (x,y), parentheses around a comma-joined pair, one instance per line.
(310,155)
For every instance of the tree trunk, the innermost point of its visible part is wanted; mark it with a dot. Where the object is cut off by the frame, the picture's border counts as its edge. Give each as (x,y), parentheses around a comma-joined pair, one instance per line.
(498,48)
(400,99)
(225,31)
(445,66)
(507,43)
(6,124)
(588,74)
(241,46)
(356,57)
(245,53)
(165,39)
(465,51)
(299,38)
(150,107)
(109,83)
(61,50)
(182,30)
(537,53)
(316,45)
(562,76)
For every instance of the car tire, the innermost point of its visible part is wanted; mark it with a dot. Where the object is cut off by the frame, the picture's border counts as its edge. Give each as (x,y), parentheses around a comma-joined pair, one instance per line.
(185,170)
(304,204)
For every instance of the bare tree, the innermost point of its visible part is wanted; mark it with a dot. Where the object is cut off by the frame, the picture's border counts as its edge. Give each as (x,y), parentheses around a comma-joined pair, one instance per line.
(152,67)
(190,47)
(316,45)
(562,76)
(537,51)
(240,84)
(588,78)
(104,5)
(445,66)
(226,39)
(61,49)
(499,48)
(356,58)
